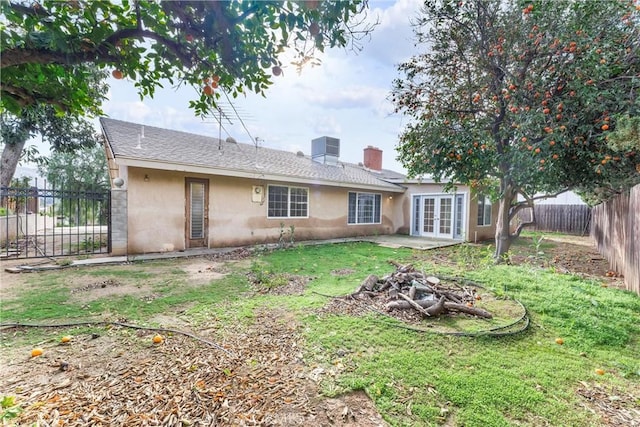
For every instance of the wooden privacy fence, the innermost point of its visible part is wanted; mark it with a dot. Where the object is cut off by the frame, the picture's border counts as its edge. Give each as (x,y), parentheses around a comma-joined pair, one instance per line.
(615,226)
(570,219)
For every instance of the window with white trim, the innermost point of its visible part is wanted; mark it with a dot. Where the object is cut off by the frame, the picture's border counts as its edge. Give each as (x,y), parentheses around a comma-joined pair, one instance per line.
(484,210)
(364,208)
(288,202)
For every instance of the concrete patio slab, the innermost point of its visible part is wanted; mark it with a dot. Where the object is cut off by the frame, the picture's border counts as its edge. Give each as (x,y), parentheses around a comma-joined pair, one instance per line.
(412,242)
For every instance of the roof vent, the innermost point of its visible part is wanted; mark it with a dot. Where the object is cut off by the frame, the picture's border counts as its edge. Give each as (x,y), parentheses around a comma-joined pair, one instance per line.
(231,140)
(300,154)
(325,150)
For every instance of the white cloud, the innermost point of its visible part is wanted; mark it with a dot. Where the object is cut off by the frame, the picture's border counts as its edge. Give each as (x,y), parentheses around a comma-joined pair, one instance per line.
(327,125)
(348,97)
(345,97)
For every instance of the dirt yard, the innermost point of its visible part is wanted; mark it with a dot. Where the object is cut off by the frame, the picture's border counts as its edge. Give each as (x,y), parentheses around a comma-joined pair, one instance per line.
(117,375)
(568,254)
(254,375)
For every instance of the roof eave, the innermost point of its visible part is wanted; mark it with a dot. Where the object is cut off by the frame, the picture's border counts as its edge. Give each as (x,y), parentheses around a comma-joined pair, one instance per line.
(257,173)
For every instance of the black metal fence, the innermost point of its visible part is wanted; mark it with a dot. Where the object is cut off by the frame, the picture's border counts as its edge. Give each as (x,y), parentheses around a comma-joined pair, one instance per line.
(42,222)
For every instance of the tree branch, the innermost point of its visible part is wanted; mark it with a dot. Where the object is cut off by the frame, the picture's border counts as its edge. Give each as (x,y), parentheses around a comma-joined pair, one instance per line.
(522,225)
(25,98)
(20,56)
(548,196)
(517,208)
(127,33)
(35,10)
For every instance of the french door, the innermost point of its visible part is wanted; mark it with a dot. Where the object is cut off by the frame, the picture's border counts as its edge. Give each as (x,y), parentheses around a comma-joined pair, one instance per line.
(433,216)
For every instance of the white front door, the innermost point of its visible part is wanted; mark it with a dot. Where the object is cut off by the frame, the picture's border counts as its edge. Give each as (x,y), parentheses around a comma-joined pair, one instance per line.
(433,216)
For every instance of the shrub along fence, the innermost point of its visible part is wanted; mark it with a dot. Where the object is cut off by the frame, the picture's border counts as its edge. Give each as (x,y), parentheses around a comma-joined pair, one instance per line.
(570,219)
(615,227)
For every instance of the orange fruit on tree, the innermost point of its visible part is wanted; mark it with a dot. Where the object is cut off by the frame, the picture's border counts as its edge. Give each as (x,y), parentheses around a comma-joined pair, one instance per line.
(36,352)
(605,127)
(314,29)
(559,341)
(215,78)
(537,150)
(117,74)
(208,90)
(312,4)
(157,339)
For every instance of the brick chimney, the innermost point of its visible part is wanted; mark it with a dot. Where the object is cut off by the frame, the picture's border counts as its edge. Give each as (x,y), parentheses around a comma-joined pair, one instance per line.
(373,158)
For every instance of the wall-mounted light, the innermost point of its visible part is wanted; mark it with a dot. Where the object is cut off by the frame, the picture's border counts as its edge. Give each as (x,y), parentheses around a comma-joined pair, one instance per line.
(390,197)
(146,178)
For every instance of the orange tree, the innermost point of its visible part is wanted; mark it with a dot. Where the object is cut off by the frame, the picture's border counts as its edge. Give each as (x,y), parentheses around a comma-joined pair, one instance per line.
(52,50)
(519,99)
(46,45)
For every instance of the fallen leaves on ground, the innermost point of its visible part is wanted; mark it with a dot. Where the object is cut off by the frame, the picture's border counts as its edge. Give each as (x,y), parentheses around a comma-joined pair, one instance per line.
(121,379)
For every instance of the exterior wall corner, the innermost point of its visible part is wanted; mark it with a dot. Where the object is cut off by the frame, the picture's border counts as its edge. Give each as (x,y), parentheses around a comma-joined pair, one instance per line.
(119,222)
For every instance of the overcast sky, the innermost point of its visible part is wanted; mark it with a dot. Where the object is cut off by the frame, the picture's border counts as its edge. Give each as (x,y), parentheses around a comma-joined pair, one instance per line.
(346,97)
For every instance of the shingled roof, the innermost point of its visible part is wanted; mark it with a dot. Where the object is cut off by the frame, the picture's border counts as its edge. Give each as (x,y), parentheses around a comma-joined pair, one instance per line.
(185,150)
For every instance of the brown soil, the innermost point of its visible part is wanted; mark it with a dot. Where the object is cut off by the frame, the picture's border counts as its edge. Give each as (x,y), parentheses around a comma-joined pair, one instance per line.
(252,375)
(570,255)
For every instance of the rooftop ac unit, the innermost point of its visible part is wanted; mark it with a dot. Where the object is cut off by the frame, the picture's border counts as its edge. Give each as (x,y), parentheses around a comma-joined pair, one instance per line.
(325,149)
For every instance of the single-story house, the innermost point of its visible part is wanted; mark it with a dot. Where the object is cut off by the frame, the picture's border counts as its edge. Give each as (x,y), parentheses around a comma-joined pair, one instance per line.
(175,190)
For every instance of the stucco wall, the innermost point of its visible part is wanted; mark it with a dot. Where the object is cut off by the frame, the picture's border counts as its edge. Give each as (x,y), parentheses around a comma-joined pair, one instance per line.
(157,212)
(473,232)
(478,233)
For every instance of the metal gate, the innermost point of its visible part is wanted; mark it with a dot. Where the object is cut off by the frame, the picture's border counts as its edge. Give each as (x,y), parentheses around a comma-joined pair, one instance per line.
(41,222)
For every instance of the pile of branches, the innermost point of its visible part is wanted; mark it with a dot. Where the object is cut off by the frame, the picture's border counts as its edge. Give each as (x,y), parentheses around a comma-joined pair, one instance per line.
(409,289)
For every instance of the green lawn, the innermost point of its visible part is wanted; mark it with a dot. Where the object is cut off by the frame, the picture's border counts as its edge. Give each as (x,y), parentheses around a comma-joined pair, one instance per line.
(414,378)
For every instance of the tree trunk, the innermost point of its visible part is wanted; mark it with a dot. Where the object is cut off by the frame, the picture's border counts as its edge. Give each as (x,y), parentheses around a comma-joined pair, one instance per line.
(503,231)
(9,161)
